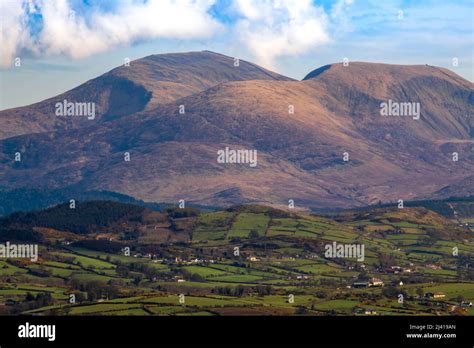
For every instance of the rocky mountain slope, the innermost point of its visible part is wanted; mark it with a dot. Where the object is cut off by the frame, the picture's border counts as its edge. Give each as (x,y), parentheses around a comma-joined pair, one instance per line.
(300,129)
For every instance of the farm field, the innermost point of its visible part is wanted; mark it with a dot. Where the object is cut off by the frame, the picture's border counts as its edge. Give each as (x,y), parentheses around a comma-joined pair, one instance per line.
(250,260)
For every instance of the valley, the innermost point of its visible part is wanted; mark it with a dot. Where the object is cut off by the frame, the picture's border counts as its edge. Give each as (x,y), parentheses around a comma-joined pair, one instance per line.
(246,260)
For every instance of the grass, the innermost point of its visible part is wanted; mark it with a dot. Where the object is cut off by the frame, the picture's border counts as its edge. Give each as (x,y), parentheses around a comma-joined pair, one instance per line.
(344,305)
(213,226)
(246,222)
(453,289)
(131,312)
(205,271)
(102,255)
(318,268)
(238,278)
(101,308)
(55,271)
(7,269)
(209,235)
(92,277)
(85,261)
(200,301)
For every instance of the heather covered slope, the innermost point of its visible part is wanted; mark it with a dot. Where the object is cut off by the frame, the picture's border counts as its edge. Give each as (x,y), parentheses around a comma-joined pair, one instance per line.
(446,99)
(176,75)
(300,154)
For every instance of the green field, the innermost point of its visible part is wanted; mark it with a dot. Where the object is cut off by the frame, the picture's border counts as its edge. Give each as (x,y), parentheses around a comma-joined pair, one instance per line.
(281,256)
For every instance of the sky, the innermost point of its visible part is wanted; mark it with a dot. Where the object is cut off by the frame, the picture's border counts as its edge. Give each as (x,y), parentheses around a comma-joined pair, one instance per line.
(50,46)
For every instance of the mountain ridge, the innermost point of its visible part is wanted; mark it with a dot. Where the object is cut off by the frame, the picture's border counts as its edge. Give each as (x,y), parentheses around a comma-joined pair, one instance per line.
(336,111)
(148,81)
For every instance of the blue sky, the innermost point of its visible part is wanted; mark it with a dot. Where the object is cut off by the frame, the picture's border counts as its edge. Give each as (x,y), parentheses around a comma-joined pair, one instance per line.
(63,43)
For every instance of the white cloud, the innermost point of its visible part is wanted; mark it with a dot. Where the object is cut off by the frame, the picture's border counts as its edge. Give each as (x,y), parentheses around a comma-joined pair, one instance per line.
(274,28)
(14,32)
(268,29)
(339,7)
(78,37)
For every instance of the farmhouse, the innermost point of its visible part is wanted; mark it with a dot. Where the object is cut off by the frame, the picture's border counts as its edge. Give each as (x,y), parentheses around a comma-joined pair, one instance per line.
(376,282)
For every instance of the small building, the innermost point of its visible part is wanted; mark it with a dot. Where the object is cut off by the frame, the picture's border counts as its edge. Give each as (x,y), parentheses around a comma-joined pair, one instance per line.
(376,282)
(369,311)
(302,277)
(358,285)
(439,295)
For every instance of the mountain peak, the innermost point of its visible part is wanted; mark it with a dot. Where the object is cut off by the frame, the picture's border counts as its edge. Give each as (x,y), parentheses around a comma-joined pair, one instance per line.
(370,70)
(143,85)
(208,65)
(172,76)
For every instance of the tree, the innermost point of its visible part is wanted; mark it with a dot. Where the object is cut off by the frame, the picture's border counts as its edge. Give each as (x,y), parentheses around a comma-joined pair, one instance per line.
(137,279)
(390,291)
(253,234)
(460,298)
(301,310)
(419,292)
(29,297)
(363,276)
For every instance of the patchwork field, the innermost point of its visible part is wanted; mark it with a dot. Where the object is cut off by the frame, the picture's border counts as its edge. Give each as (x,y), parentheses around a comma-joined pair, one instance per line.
(250,260)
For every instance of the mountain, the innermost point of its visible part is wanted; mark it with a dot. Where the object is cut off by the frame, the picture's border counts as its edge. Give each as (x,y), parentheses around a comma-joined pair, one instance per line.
(465,187)
(337,110)
(144,84)
(462,206)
